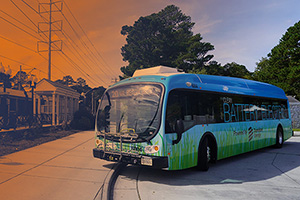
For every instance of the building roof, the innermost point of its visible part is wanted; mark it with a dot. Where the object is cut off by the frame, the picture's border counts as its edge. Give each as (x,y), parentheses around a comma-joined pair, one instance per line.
(14,92)
(47,86)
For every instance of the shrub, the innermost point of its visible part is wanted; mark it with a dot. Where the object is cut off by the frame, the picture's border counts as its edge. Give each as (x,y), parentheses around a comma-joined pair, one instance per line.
(83,120)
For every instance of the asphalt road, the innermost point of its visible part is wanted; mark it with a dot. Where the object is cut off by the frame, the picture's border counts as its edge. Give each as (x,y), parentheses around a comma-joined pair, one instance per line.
(264,174)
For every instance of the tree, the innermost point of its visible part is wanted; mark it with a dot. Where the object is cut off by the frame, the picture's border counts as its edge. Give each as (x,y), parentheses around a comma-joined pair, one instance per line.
(230,69)
(236,70)
(81,82)
(164,38)
(68,80)
(5,80)
(20,80)
(282,66)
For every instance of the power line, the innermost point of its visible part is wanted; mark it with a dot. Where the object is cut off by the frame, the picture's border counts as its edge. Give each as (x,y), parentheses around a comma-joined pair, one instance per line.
(32,29)
(21,63)
(19,28)
(83,43)
(66,57)
(18,44)
(18,20)
(15,61)
(83,60)
(87,36)
(30,6)
(87,76)
(23,12)
(53,64)
(68,39)
(73,63)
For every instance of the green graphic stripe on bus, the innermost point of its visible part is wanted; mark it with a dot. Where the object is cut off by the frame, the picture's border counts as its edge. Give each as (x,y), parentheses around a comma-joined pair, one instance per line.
(232,139)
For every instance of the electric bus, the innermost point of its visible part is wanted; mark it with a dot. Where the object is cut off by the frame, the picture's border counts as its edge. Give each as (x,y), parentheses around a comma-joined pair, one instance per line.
(173,120)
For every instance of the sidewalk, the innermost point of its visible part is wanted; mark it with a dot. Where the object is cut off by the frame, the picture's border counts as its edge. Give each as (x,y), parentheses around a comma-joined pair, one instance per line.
(61,169)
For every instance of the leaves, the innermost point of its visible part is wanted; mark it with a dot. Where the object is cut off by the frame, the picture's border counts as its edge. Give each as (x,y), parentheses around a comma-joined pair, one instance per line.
(282,66)
(163,38)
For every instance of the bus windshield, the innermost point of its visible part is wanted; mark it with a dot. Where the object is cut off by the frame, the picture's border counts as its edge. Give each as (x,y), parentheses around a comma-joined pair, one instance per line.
(130,111)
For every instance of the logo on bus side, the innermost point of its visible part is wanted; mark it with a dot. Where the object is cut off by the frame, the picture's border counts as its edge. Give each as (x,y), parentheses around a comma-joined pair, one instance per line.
(250,133)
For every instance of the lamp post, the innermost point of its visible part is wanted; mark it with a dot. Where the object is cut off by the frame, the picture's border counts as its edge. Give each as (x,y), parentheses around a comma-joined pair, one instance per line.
(32,82)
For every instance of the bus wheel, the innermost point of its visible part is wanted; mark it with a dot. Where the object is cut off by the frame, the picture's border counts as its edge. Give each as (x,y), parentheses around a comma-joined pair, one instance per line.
(204,155)
(279,138)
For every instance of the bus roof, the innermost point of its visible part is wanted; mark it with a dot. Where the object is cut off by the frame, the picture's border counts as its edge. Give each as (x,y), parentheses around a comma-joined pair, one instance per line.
(231,85)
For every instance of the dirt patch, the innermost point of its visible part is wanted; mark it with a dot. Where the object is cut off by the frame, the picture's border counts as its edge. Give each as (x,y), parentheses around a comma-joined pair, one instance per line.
(11,142)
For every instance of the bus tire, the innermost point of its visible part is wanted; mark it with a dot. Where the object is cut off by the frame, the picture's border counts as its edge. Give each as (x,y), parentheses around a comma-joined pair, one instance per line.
(279,137)
(204,154)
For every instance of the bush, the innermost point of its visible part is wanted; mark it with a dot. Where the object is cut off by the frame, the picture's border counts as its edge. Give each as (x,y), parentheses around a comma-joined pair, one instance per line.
(83,120)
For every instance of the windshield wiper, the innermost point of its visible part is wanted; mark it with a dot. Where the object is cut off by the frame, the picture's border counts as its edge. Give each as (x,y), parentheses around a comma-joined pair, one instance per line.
(119,123)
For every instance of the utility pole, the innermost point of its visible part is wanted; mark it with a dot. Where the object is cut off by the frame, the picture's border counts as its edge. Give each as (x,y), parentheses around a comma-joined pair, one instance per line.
(19,82)
(49,50)
(56,45)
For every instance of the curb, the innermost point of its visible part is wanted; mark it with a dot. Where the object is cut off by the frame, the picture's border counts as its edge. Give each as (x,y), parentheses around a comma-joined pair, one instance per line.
(296,133)
(109,182)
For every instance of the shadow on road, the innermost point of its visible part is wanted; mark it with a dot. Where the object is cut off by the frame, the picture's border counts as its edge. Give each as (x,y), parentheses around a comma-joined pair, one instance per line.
(259,165)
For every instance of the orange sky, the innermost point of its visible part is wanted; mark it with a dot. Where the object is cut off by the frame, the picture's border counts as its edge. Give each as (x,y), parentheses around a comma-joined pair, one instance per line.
(102,22)
(241,31)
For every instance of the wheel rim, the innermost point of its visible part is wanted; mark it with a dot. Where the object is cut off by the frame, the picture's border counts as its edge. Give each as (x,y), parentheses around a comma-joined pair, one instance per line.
(280,139)
(208,153)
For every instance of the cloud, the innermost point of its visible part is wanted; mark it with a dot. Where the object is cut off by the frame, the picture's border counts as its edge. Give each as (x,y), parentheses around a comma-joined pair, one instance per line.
(205,25)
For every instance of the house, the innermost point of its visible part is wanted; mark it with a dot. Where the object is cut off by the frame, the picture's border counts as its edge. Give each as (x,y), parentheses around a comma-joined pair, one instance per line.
(56,101)
(15,107)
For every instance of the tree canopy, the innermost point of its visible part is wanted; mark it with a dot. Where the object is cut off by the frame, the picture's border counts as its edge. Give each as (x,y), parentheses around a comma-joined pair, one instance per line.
(164,38)
(229,69)
(282,66)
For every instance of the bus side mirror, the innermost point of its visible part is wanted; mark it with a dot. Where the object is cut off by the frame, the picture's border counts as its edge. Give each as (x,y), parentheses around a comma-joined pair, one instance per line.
(179,129)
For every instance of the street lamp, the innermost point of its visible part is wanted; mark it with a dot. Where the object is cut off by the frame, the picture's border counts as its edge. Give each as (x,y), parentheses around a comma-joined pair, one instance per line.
(32,82)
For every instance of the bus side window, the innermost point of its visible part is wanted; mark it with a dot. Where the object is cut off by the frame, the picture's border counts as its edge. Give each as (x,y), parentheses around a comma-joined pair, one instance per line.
(173,112)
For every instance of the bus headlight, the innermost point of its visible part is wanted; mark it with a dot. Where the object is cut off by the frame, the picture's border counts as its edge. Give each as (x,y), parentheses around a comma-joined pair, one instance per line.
(99,143)
(152,149)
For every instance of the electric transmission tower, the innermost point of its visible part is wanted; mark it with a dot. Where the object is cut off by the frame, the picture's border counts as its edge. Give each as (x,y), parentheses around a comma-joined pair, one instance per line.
(49,26)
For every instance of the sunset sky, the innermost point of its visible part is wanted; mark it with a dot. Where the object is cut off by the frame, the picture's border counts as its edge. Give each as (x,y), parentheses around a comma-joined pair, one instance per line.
(241,31)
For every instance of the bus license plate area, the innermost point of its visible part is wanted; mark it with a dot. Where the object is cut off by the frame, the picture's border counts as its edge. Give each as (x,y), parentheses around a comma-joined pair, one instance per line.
(146,161)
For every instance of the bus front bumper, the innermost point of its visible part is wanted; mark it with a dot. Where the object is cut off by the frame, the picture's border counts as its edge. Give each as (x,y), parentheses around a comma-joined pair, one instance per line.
(134,159)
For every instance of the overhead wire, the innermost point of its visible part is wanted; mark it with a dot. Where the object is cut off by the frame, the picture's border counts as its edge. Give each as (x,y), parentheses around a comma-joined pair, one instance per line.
(23,12)
(19,28)
(69,39)
(17,20)
(30,6)
(79,68)
(24,64)
(18,44)
(83,43)
(87,36)
(71,61)
(32,29)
